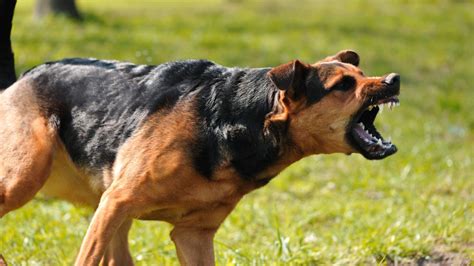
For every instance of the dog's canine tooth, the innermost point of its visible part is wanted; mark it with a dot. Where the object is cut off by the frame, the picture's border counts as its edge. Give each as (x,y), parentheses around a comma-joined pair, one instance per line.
(379,142)
(370,107)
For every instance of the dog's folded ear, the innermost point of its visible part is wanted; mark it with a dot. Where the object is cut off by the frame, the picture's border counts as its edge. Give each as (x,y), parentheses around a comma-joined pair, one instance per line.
(345,56)
(290,77)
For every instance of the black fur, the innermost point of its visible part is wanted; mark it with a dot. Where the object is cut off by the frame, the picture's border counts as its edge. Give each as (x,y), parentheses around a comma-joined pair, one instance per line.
(101,103)
(233,109)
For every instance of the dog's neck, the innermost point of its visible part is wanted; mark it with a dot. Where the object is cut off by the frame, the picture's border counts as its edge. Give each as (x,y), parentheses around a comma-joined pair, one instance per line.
(234,109)
(269,128)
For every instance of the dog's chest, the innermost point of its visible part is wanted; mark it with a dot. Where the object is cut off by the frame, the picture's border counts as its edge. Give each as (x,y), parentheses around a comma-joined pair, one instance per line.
(208,201)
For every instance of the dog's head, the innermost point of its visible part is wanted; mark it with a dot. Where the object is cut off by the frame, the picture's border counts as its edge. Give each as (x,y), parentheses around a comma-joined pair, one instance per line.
(331,105)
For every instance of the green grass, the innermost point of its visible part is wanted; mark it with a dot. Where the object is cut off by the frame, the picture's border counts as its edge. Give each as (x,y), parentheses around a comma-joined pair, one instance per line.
(324,209)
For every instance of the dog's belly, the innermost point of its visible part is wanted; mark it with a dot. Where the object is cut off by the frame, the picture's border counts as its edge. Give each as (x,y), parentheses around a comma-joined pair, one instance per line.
(69,183)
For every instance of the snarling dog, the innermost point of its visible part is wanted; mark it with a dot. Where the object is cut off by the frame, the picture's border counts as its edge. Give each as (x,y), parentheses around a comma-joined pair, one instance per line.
(180,142)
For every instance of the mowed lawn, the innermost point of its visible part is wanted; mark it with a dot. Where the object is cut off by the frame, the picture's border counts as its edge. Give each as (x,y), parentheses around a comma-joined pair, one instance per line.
(334,209)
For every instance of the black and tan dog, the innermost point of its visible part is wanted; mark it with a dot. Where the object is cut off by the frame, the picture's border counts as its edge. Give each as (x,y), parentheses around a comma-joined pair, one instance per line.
(180,142)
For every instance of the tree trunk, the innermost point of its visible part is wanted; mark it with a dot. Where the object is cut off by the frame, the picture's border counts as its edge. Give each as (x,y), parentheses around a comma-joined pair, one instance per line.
(57,7)
(7,62)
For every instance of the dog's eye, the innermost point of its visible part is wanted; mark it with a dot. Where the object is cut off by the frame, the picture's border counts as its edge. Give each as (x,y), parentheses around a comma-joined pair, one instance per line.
(346,83)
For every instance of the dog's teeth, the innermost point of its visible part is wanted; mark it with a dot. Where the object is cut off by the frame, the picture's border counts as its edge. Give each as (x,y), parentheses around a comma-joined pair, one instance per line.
(379,142)
(362,125)
(370,107)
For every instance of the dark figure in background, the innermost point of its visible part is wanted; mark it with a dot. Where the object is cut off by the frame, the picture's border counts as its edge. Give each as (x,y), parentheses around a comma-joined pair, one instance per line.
(66,8)
(7,62)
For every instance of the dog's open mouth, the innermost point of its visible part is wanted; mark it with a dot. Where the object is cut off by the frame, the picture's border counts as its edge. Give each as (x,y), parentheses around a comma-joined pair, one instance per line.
(365,137)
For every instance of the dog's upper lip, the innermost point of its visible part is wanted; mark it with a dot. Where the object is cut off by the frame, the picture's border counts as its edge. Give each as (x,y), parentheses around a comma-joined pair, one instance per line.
(389,93)
(390,102)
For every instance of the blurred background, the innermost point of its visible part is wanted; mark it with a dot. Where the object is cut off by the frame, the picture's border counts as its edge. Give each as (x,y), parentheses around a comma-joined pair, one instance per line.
(413,207)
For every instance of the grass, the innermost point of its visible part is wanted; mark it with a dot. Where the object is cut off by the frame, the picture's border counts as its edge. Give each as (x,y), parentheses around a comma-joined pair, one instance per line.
(333,209)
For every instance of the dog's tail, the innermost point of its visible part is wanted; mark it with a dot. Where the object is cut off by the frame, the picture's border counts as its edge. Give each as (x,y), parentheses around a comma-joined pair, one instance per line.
(7,62)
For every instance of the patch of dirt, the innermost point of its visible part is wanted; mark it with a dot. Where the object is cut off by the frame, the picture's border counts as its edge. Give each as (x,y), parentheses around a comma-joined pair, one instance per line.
(439,257)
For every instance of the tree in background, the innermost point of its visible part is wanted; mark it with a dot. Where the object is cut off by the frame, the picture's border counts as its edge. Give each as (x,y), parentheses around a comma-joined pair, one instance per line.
(59,7)
(7,62)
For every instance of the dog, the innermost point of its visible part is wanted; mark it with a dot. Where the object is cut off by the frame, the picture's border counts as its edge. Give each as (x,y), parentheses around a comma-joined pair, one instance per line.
(180,142)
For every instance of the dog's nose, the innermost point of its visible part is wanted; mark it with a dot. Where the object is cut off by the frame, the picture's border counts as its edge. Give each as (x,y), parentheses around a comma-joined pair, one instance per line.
(392,79)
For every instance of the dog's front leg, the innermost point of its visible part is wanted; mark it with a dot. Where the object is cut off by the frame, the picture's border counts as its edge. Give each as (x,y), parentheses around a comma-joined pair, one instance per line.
(118,253)
(112,212)
(194,245)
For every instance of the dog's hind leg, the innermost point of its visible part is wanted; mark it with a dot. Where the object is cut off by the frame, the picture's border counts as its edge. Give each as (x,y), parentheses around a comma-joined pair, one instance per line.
(26,147)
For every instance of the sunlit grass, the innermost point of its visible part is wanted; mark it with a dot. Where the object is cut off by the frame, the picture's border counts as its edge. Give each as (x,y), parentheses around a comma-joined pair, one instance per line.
(325,209)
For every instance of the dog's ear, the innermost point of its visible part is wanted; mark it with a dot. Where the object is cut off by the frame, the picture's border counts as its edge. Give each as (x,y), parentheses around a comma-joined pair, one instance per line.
(345,56)
(291,78)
